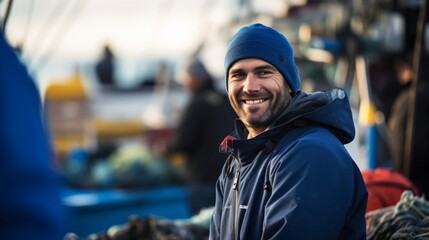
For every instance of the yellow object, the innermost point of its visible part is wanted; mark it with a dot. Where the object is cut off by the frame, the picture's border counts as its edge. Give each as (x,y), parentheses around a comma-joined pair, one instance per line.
(72,88)
(117,128)
(64,143)
(368,113)
(67,111)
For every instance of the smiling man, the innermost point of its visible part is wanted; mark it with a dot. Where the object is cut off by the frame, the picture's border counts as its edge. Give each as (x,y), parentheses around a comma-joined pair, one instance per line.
(257,104)
(288,174)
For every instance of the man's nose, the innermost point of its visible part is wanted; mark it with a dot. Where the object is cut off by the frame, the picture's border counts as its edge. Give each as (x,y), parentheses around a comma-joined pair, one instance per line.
(251,84)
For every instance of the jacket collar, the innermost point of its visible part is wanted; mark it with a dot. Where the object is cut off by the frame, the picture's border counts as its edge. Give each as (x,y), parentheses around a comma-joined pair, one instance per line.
(329,109)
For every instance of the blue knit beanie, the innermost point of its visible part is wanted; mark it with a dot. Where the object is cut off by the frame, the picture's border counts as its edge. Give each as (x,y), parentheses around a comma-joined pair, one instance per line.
(262,42)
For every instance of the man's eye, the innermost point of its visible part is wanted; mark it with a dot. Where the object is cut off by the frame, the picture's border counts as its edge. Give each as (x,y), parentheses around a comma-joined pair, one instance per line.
(263,73)
(237,75)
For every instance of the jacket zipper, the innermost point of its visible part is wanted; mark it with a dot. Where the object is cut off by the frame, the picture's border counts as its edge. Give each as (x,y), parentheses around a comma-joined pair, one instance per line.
(235,188)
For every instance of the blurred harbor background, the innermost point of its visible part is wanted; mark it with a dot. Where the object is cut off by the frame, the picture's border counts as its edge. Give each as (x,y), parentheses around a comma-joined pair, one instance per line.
(62,41)
(355,45)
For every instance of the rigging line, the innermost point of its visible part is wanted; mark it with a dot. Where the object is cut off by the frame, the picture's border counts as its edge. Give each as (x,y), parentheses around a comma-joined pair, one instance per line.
(409,130)
(27,26)
(6,15)
(204,24)
(77,10)
(58,9)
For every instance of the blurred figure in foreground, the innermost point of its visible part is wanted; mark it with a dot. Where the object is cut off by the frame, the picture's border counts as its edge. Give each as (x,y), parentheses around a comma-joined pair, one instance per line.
(205,121)
(30,206)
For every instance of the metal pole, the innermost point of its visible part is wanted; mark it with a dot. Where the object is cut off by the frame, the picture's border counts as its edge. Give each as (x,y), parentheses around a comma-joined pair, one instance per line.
(408,148)
(367,111)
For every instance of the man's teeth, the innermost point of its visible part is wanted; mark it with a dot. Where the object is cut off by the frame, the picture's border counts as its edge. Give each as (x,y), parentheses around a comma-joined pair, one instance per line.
(254,101)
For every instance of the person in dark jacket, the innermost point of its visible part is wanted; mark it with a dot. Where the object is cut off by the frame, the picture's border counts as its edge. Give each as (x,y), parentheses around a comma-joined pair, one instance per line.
(206,120)
(288,174)
(105,68)
(417,166)
(30,204)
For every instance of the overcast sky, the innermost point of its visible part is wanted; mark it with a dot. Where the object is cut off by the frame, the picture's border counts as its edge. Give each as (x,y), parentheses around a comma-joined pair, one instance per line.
(132,26)
(76,30)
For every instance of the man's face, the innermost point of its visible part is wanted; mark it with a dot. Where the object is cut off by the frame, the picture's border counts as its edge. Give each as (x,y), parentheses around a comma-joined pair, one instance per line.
(257,92)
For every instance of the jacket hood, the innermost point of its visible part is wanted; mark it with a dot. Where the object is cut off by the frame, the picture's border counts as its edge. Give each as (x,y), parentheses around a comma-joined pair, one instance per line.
(329,108)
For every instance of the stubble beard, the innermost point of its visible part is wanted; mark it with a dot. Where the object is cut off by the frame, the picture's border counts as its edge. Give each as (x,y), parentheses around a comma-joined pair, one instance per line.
(266,116)
(262,121)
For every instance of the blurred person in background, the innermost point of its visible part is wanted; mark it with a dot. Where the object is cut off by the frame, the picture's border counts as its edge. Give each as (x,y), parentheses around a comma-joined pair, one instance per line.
(391,76)
(288,174)
(397,124)
(413,163)
(105,67)
(207,118)
(30,205)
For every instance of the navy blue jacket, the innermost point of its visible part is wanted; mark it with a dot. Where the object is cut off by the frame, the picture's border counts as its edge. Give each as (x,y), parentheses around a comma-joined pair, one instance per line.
(295,180)
(30,204)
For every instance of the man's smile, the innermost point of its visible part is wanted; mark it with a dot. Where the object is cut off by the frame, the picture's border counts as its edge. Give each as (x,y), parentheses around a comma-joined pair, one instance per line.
(254,101)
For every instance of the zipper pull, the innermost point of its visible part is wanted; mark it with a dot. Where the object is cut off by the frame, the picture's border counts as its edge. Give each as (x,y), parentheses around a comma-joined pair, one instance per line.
(234,185)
